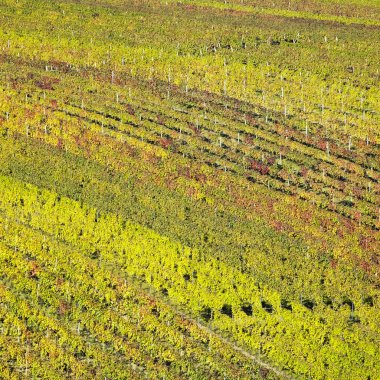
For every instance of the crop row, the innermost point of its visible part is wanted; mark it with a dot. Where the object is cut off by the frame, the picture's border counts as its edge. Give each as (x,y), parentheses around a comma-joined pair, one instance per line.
(270,159)
(222,296)
(98,320)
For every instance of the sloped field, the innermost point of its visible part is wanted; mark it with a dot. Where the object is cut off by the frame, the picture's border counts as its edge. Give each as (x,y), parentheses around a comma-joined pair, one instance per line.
(189,190)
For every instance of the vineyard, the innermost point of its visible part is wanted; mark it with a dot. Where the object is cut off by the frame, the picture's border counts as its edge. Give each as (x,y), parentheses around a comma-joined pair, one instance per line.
(190,189)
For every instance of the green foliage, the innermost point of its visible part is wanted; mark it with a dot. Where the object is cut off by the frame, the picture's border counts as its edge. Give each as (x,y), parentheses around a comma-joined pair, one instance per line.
(183,181)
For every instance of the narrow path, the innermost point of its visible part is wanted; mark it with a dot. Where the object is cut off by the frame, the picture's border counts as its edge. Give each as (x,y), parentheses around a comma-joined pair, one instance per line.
(255,358)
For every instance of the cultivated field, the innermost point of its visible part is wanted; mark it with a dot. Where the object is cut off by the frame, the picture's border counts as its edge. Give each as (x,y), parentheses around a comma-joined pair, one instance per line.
(189,189)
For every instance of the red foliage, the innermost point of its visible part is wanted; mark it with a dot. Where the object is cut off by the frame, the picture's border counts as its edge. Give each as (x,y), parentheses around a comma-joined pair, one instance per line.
(348,225)
(78,141)
(333,263)
(259,167)
(325,225)
(60,143)
(358,193)
(16,85)
(165,143)
(357,216)
(278,225)
(306,216)
(161,119)
(47,83)
(322,144)
(251,120)
(54,104)
(248,140)
(304,171)
(130,150)
(366,241)
(186,172)
(200,177)
(365,265)
(30,113)
(130,109)
(63,308)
